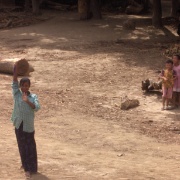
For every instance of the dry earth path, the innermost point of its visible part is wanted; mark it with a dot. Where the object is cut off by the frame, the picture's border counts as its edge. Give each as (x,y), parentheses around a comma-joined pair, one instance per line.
(82,70)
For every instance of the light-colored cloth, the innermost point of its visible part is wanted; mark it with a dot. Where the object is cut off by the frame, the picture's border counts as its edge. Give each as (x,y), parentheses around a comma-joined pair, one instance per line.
(22,111)
(167,92)
(176,87)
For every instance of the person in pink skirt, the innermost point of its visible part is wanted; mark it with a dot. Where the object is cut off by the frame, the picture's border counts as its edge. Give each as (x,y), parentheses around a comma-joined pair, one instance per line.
(176,87)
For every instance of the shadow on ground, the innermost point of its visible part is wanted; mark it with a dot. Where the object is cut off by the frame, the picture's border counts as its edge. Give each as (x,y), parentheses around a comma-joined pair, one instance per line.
(39,176)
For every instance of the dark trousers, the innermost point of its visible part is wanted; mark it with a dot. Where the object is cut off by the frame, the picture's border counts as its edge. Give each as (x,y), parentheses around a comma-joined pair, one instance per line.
(27,149)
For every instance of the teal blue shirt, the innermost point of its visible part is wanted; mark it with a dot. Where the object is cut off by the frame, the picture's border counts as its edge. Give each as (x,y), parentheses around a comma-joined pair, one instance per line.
(22,112)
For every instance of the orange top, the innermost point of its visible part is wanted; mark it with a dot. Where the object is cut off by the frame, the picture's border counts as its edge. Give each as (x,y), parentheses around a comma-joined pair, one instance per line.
(169,75)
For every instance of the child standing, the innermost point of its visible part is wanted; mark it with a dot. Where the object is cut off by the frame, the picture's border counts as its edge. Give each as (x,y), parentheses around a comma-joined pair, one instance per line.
(25,105)
(167,75)
(176,87)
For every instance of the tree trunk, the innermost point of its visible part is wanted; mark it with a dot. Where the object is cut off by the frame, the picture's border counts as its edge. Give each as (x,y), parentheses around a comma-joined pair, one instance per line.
(95,9)
(36,6)
(146,5)
(27,5)
(157,14)
(174,8)
(84,9)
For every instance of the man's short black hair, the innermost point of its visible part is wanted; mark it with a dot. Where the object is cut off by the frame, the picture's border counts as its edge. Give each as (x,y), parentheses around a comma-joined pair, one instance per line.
(169,62)
(24,80)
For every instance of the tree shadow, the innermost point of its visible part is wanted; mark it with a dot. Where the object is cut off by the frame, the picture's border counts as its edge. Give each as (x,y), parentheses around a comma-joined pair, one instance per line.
(109,26)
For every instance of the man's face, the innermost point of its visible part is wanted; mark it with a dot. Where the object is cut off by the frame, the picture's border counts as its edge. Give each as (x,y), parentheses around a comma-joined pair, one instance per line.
(25,87)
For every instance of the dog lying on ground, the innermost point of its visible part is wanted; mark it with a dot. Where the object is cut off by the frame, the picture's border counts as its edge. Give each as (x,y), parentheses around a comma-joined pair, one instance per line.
(149,85)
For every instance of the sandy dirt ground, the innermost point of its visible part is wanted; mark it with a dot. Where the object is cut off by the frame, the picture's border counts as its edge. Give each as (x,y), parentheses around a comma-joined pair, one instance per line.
(82,70)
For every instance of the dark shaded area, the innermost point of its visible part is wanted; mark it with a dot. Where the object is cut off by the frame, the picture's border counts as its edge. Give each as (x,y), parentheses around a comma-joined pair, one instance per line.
(178,30)
(69,2)
(110,5)
(19,2)
(129,7)
(39,176)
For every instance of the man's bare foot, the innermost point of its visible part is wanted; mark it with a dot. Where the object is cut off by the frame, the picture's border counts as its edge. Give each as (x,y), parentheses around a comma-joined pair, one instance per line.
(28,175)
(21,168)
